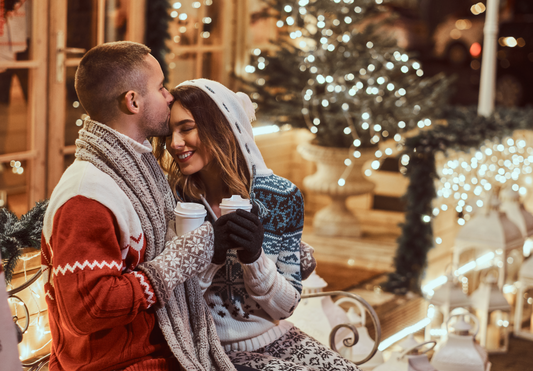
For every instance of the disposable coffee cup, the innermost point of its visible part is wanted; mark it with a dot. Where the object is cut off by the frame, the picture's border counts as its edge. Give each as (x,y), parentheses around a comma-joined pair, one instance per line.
(235,202)
(189,216)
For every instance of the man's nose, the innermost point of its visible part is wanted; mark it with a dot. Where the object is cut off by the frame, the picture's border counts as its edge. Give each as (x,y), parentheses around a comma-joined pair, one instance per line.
(169,97)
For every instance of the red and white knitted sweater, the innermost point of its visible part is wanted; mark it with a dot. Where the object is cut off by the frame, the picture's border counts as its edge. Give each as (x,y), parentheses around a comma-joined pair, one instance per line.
(98,306)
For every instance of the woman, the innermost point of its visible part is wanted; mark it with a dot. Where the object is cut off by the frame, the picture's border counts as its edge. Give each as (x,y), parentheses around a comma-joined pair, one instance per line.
(250,290)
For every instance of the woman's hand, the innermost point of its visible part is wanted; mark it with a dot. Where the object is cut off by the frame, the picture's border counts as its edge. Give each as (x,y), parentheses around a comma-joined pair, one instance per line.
(240,230)
(247,232)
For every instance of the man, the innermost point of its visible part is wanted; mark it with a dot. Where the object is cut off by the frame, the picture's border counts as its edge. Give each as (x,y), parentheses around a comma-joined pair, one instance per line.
(117,295)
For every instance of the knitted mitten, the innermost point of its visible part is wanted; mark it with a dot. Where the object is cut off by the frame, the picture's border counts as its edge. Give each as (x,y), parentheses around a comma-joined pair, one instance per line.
(307,260)
(247,232)
(222,240)
(183,257)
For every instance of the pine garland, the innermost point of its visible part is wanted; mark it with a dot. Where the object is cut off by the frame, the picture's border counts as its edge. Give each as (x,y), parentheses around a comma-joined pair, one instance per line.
(17,234)
(465,131)
(156,34)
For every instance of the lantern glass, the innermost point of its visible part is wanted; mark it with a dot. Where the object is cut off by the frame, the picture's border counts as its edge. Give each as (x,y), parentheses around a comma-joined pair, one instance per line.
(514,262)
(497,332)
(525,312)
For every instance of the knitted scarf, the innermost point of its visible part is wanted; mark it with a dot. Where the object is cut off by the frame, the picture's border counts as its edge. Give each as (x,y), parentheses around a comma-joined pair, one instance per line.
(185,321)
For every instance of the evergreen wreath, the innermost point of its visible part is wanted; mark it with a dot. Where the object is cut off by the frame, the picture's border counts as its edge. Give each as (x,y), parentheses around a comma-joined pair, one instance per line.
(17,234)
(465,130)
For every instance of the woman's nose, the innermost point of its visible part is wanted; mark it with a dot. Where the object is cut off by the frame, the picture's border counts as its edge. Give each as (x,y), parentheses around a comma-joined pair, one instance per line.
(177,141)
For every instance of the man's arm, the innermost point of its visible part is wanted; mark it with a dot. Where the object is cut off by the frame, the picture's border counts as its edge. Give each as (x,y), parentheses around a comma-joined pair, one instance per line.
(91,291)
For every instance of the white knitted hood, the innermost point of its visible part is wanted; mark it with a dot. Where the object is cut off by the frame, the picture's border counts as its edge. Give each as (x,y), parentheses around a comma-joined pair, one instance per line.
(239,111)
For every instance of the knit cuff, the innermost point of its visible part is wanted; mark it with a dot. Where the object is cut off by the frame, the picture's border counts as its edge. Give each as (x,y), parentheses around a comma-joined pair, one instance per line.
(158,284)
(148,290)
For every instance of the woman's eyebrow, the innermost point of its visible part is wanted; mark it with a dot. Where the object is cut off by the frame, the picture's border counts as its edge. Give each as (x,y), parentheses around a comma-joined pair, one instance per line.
(184,121)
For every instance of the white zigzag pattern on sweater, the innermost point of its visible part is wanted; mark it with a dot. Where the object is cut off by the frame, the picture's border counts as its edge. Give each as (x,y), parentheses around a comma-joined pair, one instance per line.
(147,292)
(92,265)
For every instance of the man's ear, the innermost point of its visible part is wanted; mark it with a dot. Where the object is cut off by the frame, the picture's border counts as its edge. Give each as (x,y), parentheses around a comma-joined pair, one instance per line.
(130,102)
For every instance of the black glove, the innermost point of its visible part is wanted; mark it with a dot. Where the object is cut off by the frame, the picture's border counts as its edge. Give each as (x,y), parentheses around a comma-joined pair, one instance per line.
(247,232)
(240,229)
(222,241)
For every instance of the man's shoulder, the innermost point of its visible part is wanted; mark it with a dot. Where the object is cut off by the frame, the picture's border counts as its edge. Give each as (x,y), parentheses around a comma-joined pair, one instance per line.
(83,179)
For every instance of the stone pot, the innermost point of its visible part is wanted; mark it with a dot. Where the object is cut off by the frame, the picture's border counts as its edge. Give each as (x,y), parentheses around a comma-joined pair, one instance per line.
(335,219)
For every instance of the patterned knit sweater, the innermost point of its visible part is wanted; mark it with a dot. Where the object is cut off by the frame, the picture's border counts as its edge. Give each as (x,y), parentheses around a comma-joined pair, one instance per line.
(248,301)
(98,306)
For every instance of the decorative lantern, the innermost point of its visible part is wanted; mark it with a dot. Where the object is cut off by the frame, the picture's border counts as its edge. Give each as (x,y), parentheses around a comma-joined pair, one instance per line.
(412,358)
(489,231)
(524,298)
(518,214)
(447,298)
(365,344)
(317,316)
(460,352)
(494,313)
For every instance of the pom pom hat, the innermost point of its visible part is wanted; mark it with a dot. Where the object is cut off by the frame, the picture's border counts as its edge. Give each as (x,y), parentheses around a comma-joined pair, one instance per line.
(239,111)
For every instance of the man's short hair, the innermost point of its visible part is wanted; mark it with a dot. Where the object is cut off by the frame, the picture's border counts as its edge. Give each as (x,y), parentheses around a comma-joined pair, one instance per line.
(106,73)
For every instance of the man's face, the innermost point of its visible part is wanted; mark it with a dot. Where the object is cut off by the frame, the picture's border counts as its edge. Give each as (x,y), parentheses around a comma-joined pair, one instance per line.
(156,101)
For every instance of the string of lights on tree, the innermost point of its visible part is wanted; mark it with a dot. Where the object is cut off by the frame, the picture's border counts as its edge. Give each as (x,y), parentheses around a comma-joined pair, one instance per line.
(490,156)
(353,84)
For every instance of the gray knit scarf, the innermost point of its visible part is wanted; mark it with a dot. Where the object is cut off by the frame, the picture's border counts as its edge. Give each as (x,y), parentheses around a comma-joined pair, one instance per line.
(185,321)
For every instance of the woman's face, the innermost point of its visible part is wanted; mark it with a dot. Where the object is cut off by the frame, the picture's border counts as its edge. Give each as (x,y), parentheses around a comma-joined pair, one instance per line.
(184,144)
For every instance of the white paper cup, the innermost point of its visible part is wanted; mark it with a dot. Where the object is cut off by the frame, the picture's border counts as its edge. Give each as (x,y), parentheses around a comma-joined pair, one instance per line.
(189,216)
(235,202)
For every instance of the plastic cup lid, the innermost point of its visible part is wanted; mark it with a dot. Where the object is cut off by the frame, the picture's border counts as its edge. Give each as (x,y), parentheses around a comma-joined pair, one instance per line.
(235,201)
(190,209)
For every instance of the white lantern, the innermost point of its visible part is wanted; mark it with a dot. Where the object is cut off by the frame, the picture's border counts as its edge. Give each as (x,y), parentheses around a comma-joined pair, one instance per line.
(447,298)
(365,344)
(412,358)
(494,313)
(518,214)
(460,352)
(489,231)
(524,298)
(318,316)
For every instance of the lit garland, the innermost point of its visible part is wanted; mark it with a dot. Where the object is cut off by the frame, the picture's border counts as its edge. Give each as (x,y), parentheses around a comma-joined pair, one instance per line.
(353,85)
(464,132)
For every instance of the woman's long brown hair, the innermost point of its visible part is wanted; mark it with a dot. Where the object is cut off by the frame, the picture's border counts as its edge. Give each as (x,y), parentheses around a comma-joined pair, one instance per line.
(216,135)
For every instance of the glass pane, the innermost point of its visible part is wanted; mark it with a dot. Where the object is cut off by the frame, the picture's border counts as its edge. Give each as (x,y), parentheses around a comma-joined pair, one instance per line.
(13,178)
(211,22)
(81,24)
(181,67)
(116,22)
(15,31)
(75,113)
(212,65)
(183,28)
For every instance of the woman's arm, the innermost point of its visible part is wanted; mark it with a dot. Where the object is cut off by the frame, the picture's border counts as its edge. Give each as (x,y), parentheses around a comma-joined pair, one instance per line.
(274,280)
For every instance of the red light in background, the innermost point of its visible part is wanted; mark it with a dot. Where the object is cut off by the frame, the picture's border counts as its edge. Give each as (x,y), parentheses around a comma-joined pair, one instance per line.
(475,50)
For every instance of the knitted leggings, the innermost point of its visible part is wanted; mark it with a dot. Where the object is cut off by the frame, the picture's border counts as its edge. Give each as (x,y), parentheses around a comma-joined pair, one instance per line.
(294,351)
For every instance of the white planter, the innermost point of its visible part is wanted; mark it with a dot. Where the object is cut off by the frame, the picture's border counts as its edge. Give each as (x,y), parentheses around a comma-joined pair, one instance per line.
(335,219)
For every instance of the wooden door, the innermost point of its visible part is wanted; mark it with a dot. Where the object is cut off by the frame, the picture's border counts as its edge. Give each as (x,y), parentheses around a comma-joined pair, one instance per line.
(75,27)
(22,107)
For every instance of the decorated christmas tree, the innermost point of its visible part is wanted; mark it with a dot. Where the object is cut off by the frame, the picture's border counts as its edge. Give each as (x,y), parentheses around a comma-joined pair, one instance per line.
(337,71)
